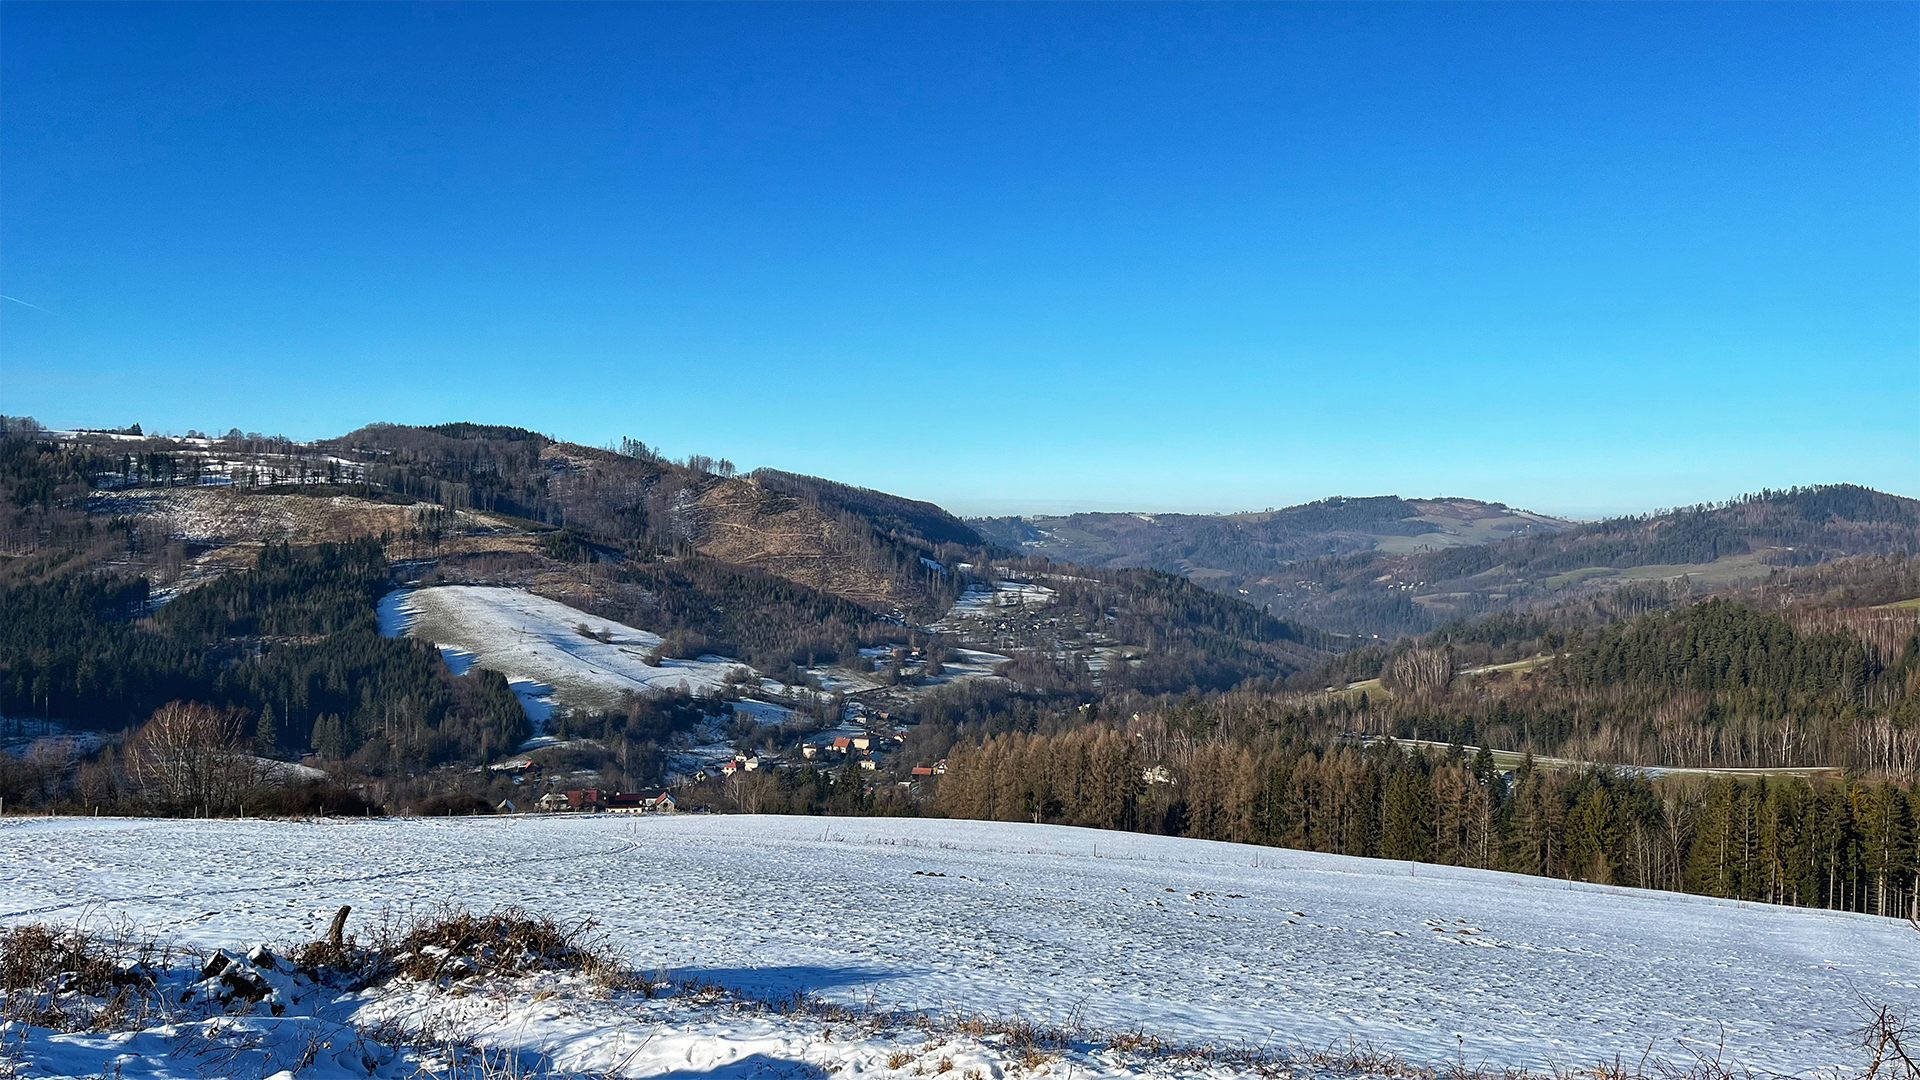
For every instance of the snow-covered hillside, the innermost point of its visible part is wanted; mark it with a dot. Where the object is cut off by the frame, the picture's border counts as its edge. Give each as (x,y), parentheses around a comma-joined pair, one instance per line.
(1189,940)
(538,645)
(988,601)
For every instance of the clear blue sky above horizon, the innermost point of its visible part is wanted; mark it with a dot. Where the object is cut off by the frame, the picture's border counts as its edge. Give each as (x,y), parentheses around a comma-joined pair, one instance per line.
(1582,258)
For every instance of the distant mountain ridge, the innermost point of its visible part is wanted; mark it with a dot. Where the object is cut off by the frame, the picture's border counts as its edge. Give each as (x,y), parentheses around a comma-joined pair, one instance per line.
(1350,566)
(1701,547)
(1204,546)
(1384,565)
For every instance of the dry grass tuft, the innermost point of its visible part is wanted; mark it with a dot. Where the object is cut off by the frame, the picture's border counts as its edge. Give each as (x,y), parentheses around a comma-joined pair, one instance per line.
(1136,1042)
(1033,1058)
(511,941)
(69,979)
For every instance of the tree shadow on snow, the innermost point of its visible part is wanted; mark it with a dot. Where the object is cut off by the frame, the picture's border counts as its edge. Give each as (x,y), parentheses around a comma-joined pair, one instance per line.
(751,1067)
(761,981)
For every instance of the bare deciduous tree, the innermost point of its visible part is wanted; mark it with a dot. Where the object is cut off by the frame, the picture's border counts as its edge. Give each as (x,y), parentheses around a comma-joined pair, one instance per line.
(190,756)
(1422,672)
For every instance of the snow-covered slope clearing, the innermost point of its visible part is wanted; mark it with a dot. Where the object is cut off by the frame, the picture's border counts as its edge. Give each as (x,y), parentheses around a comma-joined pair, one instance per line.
(538,645)
(1188,940)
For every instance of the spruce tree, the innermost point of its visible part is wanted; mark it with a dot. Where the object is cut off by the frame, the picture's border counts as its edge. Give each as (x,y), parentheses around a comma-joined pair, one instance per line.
(266,733)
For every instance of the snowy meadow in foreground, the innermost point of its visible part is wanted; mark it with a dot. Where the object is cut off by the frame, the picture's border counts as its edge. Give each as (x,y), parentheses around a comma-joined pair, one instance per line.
(1191,941)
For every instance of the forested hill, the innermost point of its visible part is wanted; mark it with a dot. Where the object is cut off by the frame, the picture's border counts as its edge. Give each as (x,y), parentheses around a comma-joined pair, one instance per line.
(1793,673)
(1239,547)
(782,571)
(863,546)
(1588,743)
(1699,548)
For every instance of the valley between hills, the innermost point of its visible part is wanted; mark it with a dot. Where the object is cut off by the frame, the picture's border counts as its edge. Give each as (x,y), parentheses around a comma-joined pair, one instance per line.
(484,642)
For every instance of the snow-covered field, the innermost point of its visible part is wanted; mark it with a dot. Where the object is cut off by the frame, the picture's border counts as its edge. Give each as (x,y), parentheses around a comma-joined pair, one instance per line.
(536,643)
(1189,940)
(981,601)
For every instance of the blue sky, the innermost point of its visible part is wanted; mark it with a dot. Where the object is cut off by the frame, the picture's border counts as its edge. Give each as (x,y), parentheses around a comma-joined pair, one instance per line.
(1012,258)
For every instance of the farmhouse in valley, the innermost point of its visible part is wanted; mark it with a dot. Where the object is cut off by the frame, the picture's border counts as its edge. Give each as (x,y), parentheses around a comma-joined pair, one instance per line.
(593,800)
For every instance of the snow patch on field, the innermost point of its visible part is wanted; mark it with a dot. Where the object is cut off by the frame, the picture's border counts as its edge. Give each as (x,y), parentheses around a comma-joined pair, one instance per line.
(842,680)
(538,645)
(764,713)
(981,600)
(975,661)
(1190,940)
(19,735)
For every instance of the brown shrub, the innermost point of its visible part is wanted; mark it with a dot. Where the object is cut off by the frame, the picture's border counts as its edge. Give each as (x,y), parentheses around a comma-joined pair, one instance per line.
(67,978)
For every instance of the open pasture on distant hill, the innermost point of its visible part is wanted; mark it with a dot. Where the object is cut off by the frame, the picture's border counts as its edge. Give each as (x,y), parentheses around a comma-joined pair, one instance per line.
(1185,939)
(548,651)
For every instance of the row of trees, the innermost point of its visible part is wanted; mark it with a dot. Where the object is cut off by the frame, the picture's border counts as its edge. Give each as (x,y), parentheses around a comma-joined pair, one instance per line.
(1713,684)
(188,760)
(1840,843)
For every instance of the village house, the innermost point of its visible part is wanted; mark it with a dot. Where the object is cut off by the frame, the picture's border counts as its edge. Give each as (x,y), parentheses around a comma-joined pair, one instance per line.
(553,801)
(648,802)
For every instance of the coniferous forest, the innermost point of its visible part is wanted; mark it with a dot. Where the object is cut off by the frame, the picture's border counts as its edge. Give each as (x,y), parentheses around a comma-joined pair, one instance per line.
(292,645)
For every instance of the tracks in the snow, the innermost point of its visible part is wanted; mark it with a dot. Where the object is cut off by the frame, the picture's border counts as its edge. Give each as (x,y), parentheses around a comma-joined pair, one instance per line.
(624,846)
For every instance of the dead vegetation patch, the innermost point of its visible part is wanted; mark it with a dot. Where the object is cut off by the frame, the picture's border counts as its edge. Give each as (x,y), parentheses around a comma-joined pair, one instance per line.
(508,942)
(71,979)
(452,943)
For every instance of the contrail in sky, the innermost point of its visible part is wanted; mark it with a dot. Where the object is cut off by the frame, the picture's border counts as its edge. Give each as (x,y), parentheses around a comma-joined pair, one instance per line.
(23,303)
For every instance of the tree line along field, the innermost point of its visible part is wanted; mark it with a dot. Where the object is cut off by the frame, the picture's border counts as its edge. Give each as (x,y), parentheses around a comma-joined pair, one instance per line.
(1840,843)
